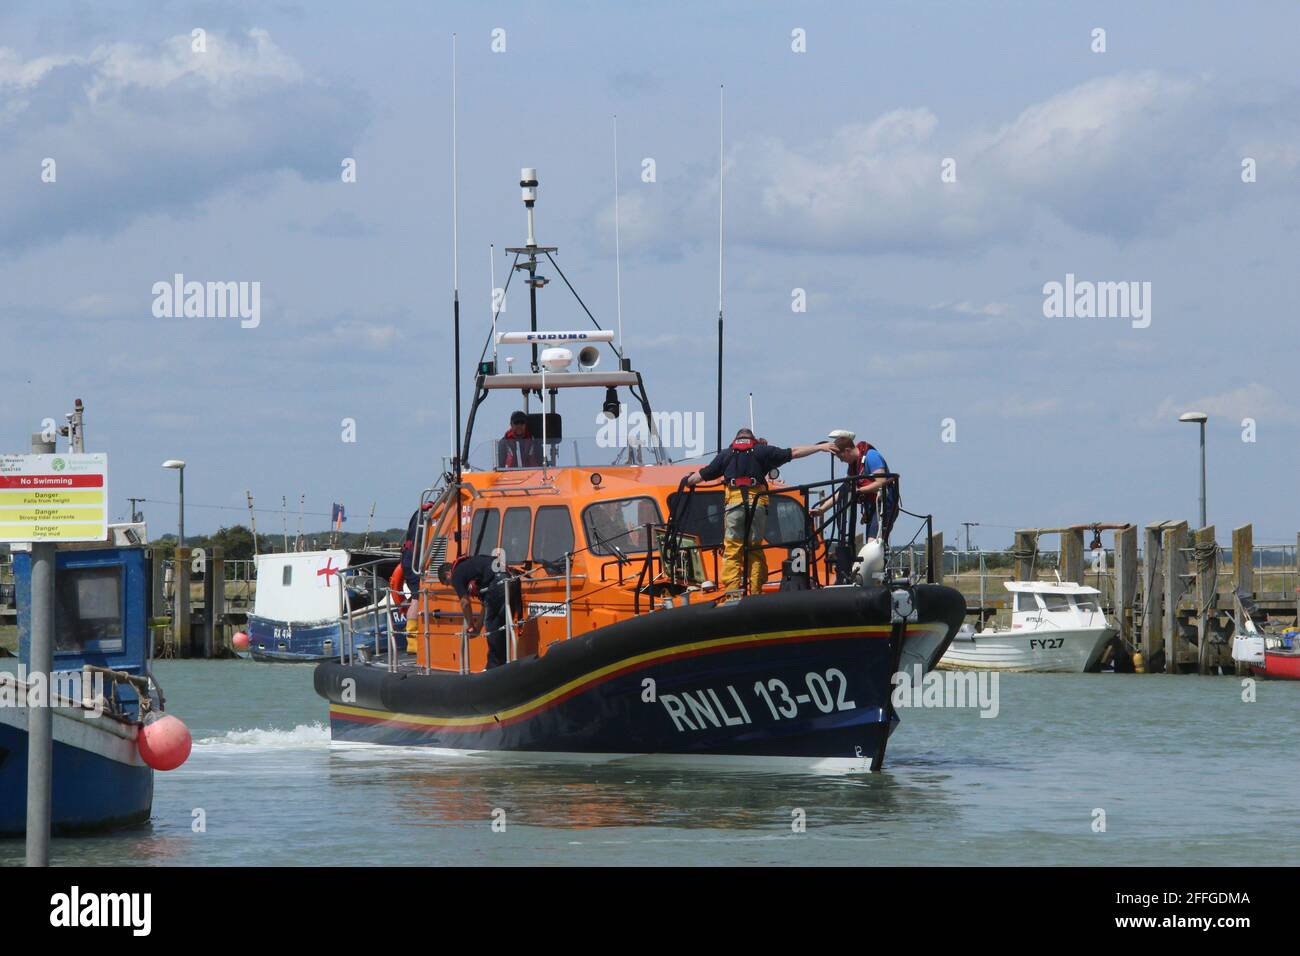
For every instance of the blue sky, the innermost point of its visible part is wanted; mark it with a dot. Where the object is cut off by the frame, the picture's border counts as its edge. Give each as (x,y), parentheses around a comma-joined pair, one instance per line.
(925,298)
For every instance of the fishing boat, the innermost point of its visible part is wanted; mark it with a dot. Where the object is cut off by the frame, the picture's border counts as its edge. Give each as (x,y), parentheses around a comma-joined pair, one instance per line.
(621,644)
(1055,627)
(107,730)
(1270,654)
(101,693)
(309,604)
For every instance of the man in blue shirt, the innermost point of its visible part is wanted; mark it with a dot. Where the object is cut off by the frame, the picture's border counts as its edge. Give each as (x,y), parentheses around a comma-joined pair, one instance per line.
(877,489)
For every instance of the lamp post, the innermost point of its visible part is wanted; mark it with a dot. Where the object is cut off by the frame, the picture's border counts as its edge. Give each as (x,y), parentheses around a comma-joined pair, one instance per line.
(179,465)
(1199,418)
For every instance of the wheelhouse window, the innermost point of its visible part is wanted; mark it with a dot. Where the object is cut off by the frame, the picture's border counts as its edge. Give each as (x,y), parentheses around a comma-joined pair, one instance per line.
(619,524)
(700,513)
(704,510)
(1025,602)
(1057,602)
(786,521)
(484,531)
(286,575)
(552,534)
(88,613)
(1086,603)
(514,534)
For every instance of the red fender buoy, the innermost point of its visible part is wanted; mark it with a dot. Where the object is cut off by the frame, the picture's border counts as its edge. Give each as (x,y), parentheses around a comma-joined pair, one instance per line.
(164,742)
(239,641)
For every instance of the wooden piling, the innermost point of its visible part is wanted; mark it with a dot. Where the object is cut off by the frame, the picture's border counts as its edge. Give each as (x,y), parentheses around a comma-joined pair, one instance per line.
(1072,555)
(1125,583)
(1026,551)
(181,602)
(1205,568)
(1243,560)
(1175,585)
(1153,587)
(157,579)
(936,549)
(214,603)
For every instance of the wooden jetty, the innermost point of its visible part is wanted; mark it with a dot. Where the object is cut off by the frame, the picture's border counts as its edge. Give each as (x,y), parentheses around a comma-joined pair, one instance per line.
(1174,601)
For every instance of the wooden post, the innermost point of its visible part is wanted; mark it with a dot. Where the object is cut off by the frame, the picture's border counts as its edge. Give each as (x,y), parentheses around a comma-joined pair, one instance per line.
(1026,549)
(936,549)
(1206,579)
(181,602)
(157,576)
(1243,560)
(1153,588)
(214,602)
(1175,565)
(1072,556)
(1125,583)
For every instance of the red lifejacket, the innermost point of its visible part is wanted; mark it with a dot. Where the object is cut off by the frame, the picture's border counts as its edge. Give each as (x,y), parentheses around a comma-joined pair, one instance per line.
(529,454)
(861,467)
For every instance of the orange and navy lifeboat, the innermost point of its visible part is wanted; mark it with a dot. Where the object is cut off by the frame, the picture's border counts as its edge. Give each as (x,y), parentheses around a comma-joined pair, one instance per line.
(620,642)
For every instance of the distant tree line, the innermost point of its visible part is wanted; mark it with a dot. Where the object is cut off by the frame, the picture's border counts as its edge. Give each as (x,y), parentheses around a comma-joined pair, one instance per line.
(237,541)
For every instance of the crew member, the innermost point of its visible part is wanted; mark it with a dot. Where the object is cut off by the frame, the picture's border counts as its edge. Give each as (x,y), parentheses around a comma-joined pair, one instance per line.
(477,576)
(519,448)
(744,467)
(877,489)
(410,576)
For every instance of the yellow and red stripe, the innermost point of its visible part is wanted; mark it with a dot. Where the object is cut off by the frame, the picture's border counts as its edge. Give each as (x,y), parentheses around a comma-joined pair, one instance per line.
(578,685)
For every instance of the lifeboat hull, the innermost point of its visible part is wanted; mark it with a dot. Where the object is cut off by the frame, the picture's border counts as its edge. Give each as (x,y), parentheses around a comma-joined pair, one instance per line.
(795,676)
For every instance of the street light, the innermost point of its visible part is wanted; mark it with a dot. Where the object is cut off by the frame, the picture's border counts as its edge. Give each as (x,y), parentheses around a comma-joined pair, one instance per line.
(1200,418)
(180,467)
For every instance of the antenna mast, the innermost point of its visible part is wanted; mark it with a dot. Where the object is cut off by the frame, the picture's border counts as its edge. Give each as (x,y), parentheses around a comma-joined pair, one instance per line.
(492,295)
(721,90)
(455,282)
(618,271)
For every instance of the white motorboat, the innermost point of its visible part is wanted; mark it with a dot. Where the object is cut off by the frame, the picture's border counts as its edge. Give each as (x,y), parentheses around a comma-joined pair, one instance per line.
(1055,627)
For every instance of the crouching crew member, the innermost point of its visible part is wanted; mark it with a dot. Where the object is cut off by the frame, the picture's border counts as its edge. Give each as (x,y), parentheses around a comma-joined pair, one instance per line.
(477,576)
(744,468)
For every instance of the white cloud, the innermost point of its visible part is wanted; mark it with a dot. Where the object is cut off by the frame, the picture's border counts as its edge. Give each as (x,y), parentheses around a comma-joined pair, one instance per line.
(1119,156)
(137,131)
(1255,400)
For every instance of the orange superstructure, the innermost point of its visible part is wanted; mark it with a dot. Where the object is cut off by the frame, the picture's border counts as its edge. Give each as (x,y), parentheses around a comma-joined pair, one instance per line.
(598,518)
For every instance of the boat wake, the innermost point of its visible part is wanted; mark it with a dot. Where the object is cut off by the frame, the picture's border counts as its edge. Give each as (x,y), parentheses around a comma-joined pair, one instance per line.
(303,737)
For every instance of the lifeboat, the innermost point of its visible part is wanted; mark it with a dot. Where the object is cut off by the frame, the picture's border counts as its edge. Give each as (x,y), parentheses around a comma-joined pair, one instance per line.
(620,643)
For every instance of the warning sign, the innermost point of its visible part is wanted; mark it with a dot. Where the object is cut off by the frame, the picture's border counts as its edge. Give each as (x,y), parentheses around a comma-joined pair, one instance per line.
(53,497)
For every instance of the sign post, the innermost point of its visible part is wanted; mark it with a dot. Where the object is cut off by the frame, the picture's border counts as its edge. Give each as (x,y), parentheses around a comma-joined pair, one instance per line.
(46,498)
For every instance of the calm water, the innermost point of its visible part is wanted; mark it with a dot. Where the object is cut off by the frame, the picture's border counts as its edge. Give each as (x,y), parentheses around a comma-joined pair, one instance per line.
(1186,772)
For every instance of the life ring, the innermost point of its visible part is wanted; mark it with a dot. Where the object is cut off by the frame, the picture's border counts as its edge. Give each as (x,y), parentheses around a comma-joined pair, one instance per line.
(395,581)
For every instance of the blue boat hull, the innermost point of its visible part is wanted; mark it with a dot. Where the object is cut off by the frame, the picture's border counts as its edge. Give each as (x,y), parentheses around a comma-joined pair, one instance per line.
(298,643)
(91,792)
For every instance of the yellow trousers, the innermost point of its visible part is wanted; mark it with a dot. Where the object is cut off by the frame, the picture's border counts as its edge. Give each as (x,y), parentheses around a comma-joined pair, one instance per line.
(734,563)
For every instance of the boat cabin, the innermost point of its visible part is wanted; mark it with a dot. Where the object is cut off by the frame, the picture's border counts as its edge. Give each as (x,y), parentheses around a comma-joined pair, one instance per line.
(1060,604)
(102,601)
